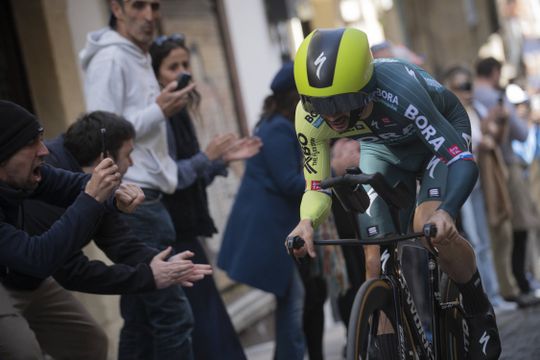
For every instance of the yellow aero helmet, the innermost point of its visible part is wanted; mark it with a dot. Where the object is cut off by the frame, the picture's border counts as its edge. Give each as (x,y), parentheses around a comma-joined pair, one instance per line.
(331,68)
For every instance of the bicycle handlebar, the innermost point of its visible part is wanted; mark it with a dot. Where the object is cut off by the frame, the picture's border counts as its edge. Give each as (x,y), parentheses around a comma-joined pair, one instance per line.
(429,231)
(354,198)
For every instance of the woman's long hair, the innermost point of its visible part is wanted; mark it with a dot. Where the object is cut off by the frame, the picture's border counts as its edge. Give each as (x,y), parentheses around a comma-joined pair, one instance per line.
(283,103)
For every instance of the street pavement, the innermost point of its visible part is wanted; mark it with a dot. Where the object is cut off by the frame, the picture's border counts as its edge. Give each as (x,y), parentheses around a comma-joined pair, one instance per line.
(519,330)
(520,334)
(334,341)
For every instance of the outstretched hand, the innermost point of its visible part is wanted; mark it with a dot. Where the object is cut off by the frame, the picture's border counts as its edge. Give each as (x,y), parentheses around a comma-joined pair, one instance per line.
(243,149)
(197,272)
(219,145)
(169,273)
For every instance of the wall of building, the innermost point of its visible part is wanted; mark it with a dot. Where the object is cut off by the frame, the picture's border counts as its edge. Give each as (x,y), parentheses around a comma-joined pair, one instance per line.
(47,48)
(257,55)
(452,33)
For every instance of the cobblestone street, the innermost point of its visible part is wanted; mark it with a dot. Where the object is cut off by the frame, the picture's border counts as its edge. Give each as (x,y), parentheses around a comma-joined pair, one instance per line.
(519,330)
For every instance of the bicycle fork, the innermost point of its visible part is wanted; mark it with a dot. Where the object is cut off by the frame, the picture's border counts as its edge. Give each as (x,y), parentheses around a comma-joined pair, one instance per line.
(391,271)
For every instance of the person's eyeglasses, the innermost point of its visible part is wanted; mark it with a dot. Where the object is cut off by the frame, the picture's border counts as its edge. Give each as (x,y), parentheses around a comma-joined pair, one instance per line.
(179,39)
(466,86)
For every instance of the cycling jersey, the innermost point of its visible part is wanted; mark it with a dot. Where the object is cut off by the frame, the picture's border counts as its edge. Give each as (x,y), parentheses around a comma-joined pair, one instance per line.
(415,124)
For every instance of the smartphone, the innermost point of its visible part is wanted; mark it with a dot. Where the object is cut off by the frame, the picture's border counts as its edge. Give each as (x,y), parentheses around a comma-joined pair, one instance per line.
(183,80)
(104,151)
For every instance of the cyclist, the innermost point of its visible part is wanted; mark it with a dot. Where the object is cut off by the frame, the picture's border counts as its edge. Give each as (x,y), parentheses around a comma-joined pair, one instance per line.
(410,127)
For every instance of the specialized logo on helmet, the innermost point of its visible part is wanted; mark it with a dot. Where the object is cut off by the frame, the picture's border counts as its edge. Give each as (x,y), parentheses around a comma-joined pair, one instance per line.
(319,61)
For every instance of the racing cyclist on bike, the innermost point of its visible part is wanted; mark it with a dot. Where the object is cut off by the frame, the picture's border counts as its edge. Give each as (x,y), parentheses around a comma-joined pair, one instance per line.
(410,127)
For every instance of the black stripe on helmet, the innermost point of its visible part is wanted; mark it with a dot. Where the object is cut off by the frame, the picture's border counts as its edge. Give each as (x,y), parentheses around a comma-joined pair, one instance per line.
(322,56)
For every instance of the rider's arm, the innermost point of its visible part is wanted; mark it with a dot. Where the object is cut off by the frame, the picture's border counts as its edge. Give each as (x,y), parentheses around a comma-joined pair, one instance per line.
(316,203)
(443,125)
(460,183)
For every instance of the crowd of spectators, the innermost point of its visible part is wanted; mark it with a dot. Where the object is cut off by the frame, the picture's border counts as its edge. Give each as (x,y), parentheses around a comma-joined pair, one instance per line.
(131,175)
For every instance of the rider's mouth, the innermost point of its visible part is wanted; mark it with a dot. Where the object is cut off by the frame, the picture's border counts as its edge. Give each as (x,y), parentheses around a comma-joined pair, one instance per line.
(339,124)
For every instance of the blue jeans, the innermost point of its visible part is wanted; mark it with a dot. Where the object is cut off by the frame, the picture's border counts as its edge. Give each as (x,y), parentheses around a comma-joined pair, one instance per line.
(474,221)
(290,341)
(157,324)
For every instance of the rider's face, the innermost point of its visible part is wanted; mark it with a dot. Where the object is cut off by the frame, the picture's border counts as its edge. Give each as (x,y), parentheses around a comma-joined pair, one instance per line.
(339,121)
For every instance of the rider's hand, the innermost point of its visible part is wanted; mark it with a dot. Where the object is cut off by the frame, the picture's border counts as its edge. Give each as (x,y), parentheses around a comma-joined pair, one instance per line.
(446,228)
(128,197)
(105,178)
(304,229)
(171,100)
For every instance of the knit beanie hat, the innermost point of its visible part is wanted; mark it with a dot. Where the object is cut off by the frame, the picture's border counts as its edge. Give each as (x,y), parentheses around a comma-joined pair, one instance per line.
(17,128)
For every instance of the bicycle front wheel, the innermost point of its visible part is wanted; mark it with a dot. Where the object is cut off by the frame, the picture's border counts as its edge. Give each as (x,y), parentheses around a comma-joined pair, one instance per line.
(453,326)
(373,318)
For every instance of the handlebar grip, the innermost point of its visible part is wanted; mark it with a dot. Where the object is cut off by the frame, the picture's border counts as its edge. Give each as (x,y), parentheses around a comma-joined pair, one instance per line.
(430,230)
(294,243)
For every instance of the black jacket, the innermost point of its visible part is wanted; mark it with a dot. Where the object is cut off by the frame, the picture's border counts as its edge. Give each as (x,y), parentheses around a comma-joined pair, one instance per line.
(188,206)
(41,255)
(131,274)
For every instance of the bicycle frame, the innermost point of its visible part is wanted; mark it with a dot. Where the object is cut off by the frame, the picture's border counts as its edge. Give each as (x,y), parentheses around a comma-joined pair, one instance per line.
(391,271)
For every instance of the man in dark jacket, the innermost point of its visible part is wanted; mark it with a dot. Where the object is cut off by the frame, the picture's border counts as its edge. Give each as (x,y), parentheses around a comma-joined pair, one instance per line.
(140,268)
(23,175)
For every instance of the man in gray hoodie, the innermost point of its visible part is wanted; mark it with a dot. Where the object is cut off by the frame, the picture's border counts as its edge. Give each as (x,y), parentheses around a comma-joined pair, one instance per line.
(119,78)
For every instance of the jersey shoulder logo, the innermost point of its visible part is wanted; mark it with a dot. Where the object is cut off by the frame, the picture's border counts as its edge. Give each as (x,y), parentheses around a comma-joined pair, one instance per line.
(411,72)
(484,339)
(319,61)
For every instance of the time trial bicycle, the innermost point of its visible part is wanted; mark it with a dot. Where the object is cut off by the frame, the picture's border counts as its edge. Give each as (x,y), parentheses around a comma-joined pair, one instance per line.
(385,305)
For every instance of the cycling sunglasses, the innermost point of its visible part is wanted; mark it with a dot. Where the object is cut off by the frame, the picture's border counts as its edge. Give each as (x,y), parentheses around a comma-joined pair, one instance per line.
(335,104)
(466,86)
(179,39)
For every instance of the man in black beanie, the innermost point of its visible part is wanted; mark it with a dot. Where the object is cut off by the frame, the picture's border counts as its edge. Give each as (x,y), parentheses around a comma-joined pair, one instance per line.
(23,175)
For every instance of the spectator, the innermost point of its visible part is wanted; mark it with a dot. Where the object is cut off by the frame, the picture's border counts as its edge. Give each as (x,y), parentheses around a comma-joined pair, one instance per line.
(23,175)
(119,79)
(214,337)
(143,268)
(487,91)
(271,190)
(517,96)
(459,80)
(346,154)
(387,49)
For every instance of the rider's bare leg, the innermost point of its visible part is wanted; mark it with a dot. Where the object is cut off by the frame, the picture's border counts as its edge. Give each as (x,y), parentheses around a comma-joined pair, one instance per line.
(372,255)
(456,258)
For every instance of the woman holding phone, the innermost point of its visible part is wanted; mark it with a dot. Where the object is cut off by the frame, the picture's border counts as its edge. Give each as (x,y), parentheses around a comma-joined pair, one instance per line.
(214,336)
